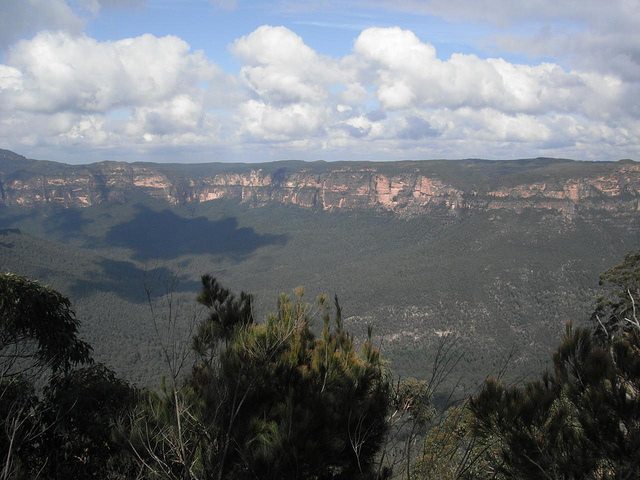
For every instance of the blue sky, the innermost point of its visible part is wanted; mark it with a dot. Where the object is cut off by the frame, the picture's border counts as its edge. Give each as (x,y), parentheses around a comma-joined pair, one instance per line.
(329,31)
(225,80)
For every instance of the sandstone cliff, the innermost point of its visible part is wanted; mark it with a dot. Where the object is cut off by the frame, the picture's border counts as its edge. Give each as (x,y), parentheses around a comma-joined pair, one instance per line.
(405,188)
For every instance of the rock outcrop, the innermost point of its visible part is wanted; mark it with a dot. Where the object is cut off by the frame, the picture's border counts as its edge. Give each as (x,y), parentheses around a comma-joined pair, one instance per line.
(405,188)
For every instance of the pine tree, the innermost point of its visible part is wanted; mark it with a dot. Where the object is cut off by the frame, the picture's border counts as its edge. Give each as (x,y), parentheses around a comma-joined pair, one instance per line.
(279,403)
(583,419)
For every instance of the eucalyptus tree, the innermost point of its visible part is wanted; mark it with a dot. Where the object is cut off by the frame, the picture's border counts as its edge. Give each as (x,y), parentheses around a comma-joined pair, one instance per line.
(63,427)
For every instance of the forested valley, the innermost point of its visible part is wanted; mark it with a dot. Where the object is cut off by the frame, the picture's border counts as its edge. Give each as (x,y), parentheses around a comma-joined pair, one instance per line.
(450,323)
(272,398)
(319,240)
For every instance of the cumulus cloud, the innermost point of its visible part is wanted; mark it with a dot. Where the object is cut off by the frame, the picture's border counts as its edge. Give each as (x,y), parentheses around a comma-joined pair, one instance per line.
(134,90)
(280,67)
(587,34)
(409,73)
(24,18)
(392,96)
(21,19)
(57,71)
(504,12)
(263,121)
(396,91)
(180,114)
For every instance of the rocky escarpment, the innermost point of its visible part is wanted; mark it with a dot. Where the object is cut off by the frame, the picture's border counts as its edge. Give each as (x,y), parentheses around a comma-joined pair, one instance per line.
(405,188)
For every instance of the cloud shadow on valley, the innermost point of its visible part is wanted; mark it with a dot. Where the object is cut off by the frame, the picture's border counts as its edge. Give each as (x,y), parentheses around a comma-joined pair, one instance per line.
(165,235)
(128,281)
(66,223)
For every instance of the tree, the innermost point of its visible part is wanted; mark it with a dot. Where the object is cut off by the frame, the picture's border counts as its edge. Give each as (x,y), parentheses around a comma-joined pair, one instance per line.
(166,437)
(67,430)
(583,419)
(38,332)
(413,414)
(37,323)
(451,451)
(616,311)
(84,408)
(20,428)
(279,403)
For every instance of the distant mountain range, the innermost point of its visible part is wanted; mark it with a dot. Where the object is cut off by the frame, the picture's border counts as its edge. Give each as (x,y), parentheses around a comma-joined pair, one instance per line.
(405,188)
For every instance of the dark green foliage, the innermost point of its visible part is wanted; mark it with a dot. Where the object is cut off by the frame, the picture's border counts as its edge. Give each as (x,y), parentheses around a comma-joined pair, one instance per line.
(167,439)
(21,426)
(496,279)
(83,409)
(274,400)
(500,278)
(616,310)
(283,404)
(38,330)
(451,450)
(32,313)
(226,316)
(583,419)
(67,431)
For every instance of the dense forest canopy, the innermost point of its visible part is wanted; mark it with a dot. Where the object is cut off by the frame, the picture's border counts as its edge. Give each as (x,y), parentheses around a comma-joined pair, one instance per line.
(271,399)
(498,253)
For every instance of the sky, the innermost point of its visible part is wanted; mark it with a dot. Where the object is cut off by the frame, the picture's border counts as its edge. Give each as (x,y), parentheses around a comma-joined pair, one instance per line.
(254,81)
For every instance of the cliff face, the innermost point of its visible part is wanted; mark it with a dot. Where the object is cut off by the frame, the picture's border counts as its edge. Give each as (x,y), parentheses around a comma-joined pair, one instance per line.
(407,188)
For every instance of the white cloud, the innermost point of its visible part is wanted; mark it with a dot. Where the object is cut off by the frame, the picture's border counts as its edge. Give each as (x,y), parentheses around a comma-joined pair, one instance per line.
(126,92)
(280,67)
(593,34)
(391,97)
(24,18)
(59,71)
(409,73)
(291,86)
(266,122)
(177,115)
(508,12)
(10,80)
